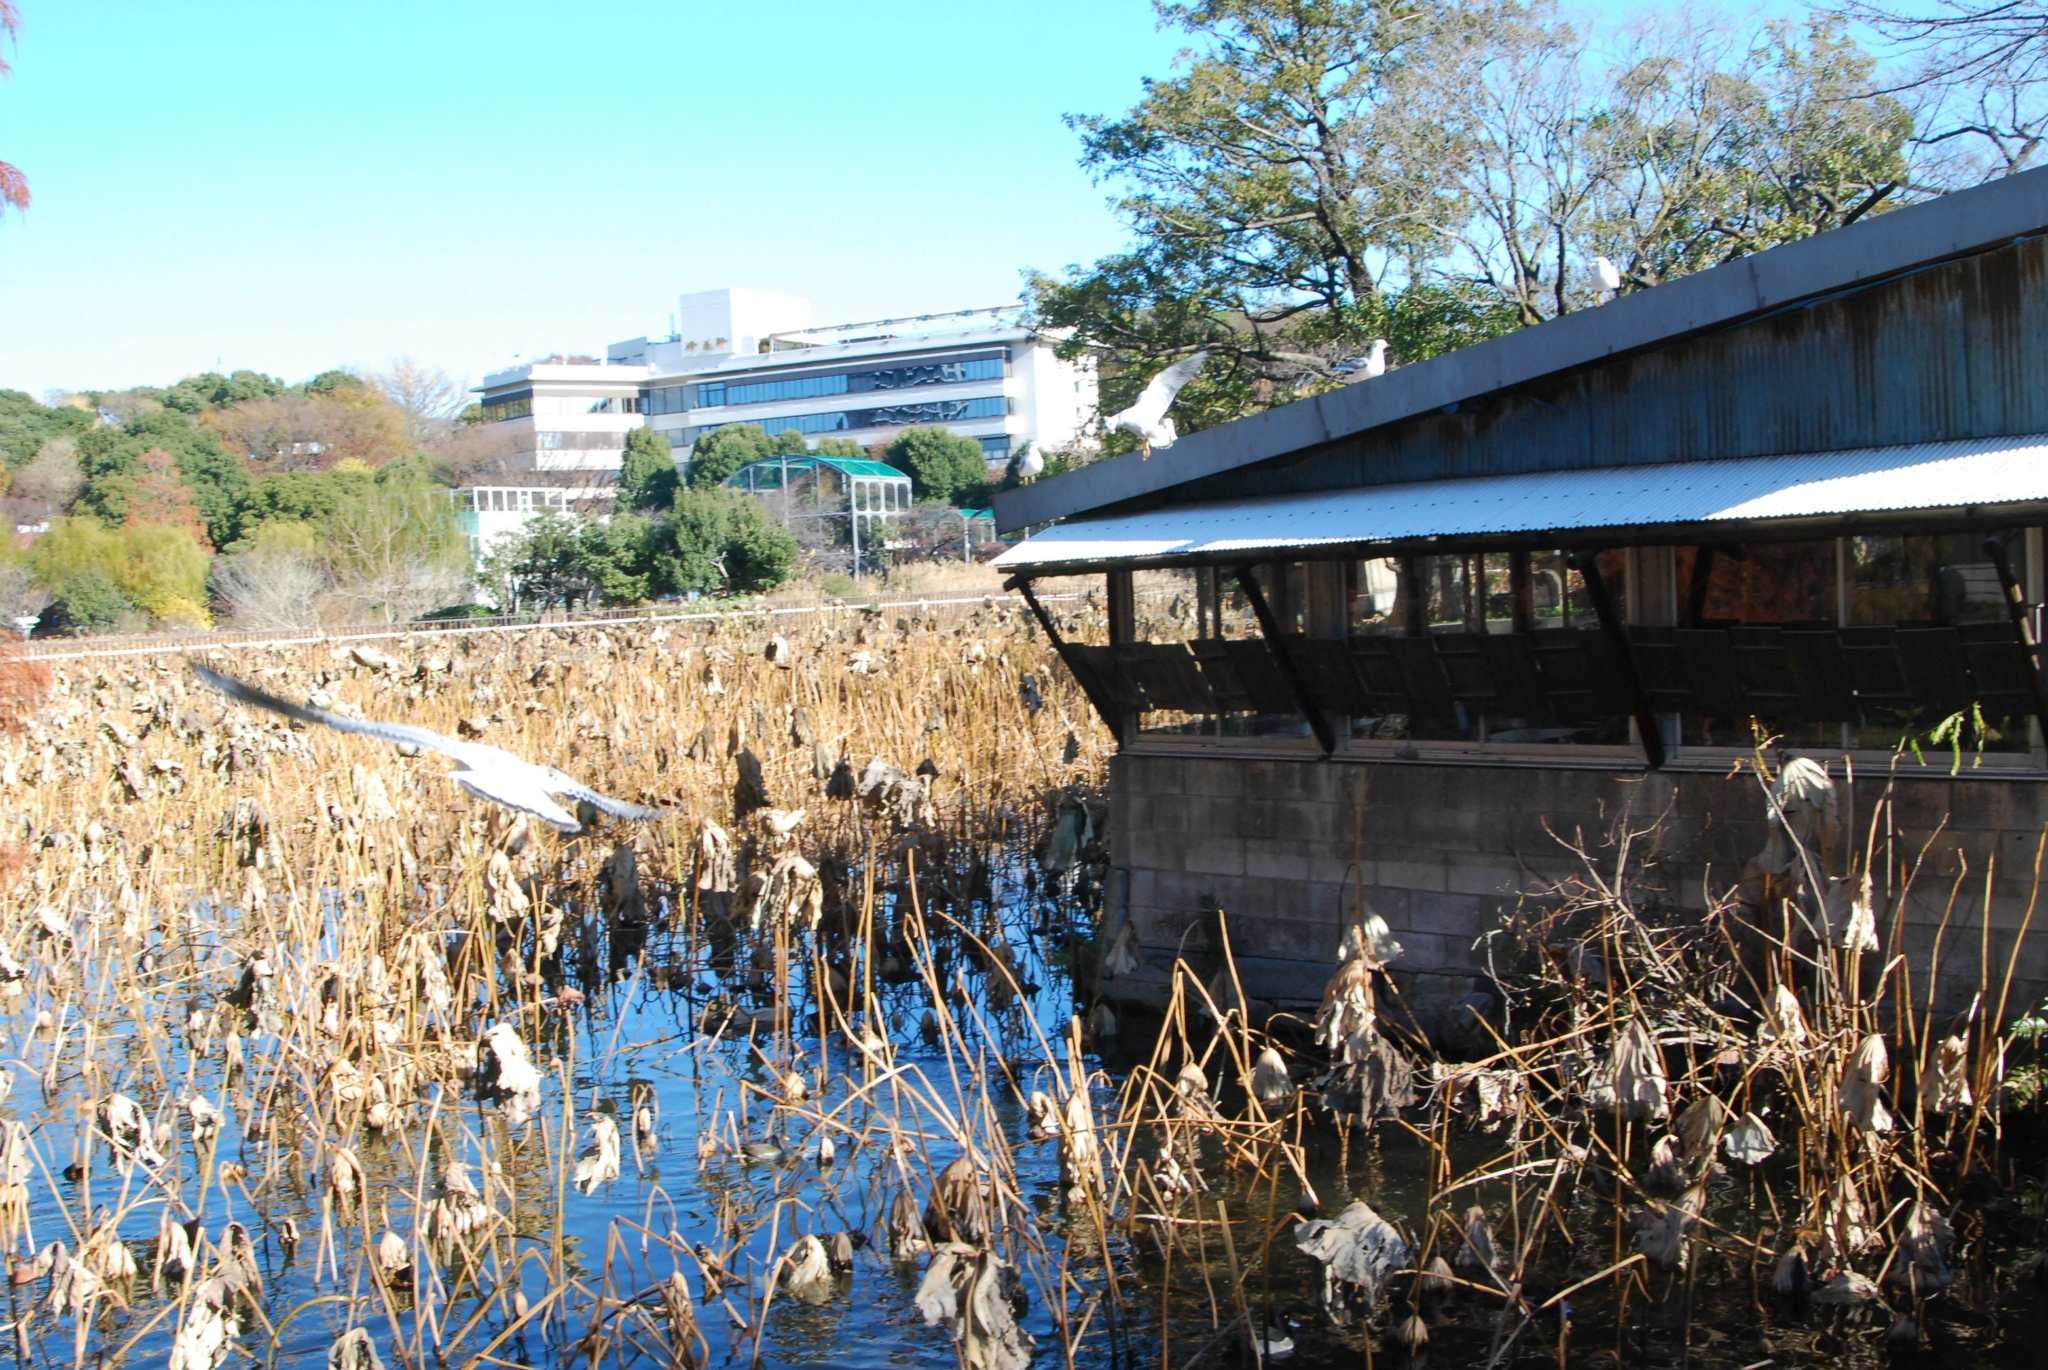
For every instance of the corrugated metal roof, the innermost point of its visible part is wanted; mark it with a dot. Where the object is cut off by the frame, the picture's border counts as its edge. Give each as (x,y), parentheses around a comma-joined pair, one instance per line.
(1942,475)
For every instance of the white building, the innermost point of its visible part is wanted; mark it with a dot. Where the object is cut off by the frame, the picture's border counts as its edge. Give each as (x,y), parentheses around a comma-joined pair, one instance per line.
(747,356)
(565,415)
(487,513)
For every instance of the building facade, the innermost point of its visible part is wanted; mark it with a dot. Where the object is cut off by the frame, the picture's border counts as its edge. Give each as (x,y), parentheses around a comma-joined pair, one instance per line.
(565,416)
(744,356)
(1436,644)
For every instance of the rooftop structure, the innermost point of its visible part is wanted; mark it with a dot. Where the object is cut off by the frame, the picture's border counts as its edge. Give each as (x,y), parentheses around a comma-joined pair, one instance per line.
(1381,646)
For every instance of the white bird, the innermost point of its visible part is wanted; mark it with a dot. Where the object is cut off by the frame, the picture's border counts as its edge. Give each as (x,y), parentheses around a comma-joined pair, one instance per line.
(1147,418)
(1030,465)
(485,772)
(1373,364)
(1607,273)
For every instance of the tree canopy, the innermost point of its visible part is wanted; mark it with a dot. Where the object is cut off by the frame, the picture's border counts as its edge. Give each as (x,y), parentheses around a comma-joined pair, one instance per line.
(722,451)
(648,477)
(1319,173)
(941,465)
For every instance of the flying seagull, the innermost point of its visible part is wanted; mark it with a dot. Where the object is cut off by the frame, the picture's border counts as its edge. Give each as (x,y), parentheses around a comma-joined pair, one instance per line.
(1147,418)
(1607,273)
(486,772)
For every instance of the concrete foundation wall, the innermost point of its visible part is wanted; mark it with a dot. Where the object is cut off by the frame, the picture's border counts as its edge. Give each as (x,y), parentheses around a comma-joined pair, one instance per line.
(1286,844)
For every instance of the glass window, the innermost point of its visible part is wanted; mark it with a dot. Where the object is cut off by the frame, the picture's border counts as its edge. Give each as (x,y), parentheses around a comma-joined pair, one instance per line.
(516,406)
(1769,582)
(1946,578)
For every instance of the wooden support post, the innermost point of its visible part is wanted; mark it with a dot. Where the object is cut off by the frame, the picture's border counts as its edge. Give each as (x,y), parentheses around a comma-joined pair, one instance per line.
(1123,608)
(1276,642)
(1587,564)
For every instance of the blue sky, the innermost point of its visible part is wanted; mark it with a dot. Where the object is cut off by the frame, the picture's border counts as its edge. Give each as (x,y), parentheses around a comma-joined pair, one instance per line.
(291,186)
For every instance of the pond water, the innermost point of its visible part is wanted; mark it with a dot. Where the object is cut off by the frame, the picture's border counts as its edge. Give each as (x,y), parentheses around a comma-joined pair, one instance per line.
(719,1174)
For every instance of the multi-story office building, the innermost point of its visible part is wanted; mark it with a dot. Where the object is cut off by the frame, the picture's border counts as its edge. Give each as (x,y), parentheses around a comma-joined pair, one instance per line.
(746,356)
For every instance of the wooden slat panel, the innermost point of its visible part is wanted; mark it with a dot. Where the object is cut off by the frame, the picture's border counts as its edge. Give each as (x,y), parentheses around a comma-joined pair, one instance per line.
(1429,690)
(1820,670)
(1871,654)
(1219,673)
(1166,674)
(1935,671)
(1710,666)
(1265,684)
(1516,679)
(1582,675)
(1466,667)
(1327,664)
(1381,675)
(1661,664)
(1766,678)
(1099,665)
(1999,667)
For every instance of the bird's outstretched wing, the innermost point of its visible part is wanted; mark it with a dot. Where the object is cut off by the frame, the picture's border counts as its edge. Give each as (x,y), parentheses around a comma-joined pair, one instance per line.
(516,791)
(1158,395)
(603,803)
(424,738)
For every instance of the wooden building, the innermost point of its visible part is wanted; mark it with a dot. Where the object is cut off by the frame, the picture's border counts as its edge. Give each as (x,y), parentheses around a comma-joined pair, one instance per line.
(1402,643)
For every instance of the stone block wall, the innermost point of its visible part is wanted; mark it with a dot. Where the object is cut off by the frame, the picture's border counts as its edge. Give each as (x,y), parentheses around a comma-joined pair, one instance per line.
(1287,845)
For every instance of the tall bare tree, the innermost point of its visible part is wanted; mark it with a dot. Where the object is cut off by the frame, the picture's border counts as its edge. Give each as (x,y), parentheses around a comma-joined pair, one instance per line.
(1976,73)
(1320,172)
(427,396)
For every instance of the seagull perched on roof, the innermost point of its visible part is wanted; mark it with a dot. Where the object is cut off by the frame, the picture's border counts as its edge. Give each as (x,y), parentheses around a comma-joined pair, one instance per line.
(1607,273)
(1373,364)
(486,772)
(1030,465)
(1147,418)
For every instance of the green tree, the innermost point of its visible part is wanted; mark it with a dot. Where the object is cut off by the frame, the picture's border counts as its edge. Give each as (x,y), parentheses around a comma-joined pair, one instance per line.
(648,478)
(307,498)
(88,600)
(616,557)
(25,426)
(110,459)
(789,443)
(720,540)
(210,390)
(541,566)
(724,450)
(842,447)
(154,566)
(941,464)
(396,550)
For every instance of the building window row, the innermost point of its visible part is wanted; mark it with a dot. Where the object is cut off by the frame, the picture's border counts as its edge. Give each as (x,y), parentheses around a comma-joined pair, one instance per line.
(517,405)
(891,416)
(677,399)
(597,442)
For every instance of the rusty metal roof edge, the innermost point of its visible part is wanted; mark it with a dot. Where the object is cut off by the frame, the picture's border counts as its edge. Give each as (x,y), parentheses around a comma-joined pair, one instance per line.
(1956,225)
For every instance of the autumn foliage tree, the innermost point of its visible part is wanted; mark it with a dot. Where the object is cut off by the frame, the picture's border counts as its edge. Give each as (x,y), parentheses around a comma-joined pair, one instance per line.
(159,495)
(13,185)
